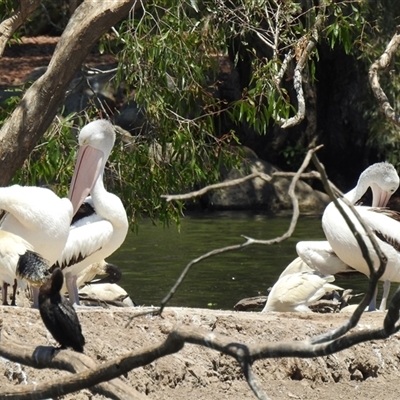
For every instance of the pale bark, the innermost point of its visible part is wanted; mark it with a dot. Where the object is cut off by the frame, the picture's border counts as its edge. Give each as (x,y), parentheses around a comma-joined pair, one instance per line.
(41,101)
(382,64)
(11,24)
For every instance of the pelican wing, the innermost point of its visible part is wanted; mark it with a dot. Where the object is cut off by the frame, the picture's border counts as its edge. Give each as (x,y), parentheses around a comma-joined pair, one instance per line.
(385,224)
(297,290)
(12,247)
(84,241)
(386,211)
(320,256)
(297,265)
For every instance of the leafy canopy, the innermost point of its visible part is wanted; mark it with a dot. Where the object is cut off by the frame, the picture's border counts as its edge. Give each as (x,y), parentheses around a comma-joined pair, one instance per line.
(174,61)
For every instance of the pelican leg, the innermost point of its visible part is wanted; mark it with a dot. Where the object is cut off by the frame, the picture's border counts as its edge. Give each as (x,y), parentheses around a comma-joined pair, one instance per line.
(14,294)
(385,295)
(70,281)
(372,304)
(4,294)
(35,296)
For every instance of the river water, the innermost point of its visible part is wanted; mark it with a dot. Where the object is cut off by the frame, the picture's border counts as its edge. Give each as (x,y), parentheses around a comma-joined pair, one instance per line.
(153,258)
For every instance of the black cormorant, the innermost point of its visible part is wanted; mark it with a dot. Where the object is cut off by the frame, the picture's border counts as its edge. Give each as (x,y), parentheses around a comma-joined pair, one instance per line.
(59,315)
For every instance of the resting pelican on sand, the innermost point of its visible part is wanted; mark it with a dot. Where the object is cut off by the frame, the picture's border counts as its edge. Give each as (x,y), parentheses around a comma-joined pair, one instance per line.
(296,291)
(111,274)
(383,180)
(38,216)
(18,260)
(103,229)
(108,293)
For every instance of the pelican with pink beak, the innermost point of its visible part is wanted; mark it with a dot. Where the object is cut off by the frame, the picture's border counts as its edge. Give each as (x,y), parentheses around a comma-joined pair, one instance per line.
(100,223)
(383,180)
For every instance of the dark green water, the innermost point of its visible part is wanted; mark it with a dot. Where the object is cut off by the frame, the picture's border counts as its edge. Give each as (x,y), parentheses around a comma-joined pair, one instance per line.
(153,259)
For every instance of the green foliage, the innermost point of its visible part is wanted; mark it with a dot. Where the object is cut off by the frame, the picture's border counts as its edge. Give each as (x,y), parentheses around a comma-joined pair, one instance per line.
(173,58)
(51,163)
(347,21)
(10,99)
(294,155)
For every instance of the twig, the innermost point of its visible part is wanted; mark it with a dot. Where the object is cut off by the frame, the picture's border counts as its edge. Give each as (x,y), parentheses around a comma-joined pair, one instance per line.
(295,202)
(252,380)
(221,185)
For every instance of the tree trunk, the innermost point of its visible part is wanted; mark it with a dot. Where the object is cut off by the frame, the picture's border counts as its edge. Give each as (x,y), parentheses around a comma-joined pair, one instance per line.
(41,101)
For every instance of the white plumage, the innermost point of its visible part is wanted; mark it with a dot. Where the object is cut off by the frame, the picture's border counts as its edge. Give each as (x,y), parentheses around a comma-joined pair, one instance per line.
(38,216)
(382,178)
(107,292)
(18,260)
(97,235)
(296,291)
(320,257)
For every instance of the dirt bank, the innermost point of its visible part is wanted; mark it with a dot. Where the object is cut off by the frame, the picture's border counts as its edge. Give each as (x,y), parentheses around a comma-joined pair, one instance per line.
(366,371)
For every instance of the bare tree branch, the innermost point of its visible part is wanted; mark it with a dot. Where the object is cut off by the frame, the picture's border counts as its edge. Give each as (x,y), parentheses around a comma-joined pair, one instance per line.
(11,24)
(382,63)
(322,345)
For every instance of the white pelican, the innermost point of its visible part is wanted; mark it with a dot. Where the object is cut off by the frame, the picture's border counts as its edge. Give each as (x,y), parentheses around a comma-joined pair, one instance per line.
(111,272)
(108,293)
(382,178)
(39,216)
(296,291)
(297,265)
(320,257)
(18,260)
(96,236)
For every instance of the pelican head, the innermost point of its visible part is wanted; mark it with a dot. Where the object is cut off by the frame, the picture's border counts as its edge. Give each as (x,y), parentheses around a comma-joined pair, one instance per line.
(383,180)
(96,141)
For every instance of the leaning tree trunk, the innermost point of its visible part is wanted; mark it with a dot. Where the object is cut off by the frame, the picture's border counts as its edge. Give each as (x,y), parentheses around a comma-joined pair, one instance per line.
(41,101)
(11,24)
